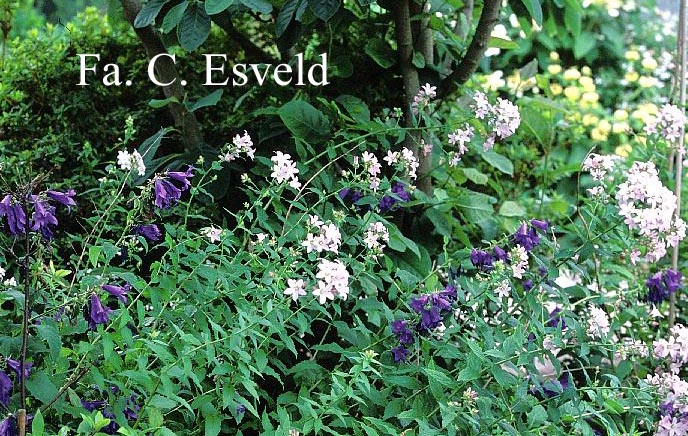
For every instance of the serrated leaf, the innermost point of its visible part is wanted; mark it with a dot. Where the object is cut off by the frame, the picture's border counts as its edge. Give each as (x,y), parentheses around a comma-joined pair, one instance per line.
(193,28)
(148,12)
(173,17)
(324,9)
(501,162)
(537,416)
(304,121)
(380,52)
(511,209)
(261,6)
(286,14)
(496,42)
(213,424)
(209,100)
(213,7)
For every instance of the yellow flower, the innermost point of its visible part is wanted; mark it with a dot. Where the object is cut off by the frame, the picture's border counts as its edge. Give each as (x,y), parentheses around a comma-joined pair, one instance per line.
(572,93)
(586,71)
(620,115)
(590,97)
(649,63)
(632,55)
(623,150)
(647,81)
(572,74)
(631,76)
(597,135)
(587,83)
(555,88)
(553,56)
(554,69)
(621,127)
(590,119)
(604,126)
(494,81)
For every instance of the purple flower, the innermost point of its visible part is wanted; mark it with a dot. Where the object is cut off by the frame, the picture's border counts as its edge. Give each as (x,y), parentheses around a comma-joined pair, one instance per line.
(404,334)
(166,194)
(43,217)
(182,177)
(118,291)
(555,319)
(500,254)
(542,225)
(481,259)
(400,195)
(430,318)
(90,406)
(98,314)
(526,237)
(16,218)
(527,285)
(418,303)
(399,353)
(15,366)
(5,388)
(132,409)
(240,409)
(112,427)
(8,427)
(64,198)
(661,285)
(148,231)
(449,292)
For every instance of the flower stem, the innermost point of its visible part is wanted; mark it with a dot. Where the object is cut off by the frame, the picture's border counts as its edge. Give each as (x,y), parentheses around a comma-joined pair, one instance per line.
(25,326)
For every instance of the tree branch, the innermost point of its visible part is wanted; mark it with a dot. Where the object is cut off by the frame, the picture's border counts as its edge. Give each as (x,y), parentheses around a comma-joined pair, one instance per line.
(475,51)
(166,72)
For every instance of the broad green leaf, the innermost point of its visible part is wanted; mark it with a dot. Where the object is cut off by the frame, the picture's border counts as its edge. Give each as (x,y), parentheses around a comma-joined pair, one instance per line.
(209,100)
(304,121)
(534,9)
(496,42)
(41,387)
(194,27)
(148,12)
(213,424)
(38,424)
(261,6)
(324,9)
(161,103)
(286,14)
(355,107)
(511,209)
(173,16)
(475,176)
(537,416)
(418,59)
(501,162)
(584,43)
(381,52)
(213,7)
(439,221)
(572,20)
(475,206)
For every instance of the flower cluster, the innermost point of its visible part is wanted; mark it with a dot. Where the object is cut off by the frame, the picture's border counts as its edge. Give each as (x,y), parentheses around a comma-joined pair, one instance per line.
(430,310)
(423,97)
(333,281)
(131,409)
(372,167)
(404,159)
(168,193)
(668,123)
(329,238)
(375,233)
(284,169)
(148,231)
(128,161)
(648,206)
(661,285)
(599,165)
(460,137)
(598,322)
(43,217)
(502,118)
(240,144)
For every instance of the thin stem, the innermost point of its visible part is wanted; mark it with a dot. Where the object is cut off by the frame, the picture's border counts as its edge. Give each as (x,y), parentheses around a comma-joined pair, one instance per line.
(678,164)
(25,325)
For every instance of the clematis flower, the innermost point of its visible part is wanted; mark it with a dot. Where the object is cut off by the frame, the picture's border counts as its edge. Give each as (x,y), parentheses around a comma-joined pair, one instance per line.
(166,194)
(182,177)
(43,217)
(98,314)
(16,218)
(118,291)
(400,353)
(64,198)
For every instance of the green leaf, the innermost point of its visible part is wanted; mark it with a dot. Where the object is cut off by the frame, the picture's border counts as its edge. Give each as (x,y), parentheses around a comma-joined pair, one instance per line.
(173,17)
(37,424)
(194,27)
(537,416)
(209,100)
(286,14)
(540,126)
(534,9)
(511,209)
(261,6)
(148,12)
(475,206)
(49,333)
(528,70)
(324,9)
(161,103)
(304,121)
(418,60)
(584,43)
(475,176)
(381,52)
(355,107)
(501,162)
(496,42)
(439,221)
(213,7)
(41,387)
(213,424)
(472,369)
(572,21)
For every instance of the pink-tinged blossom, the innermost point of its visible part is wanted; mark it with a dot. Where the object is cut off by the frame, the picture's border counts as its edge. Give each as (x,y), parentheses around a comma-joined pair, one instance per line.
(599,165)
(598,323)
(284,170)
(667,123)
(427,147)
(240,144)
(503,290)
(214,234)
(482,106)
(519,261)
(423,97)
(296,289)
(322,237)
(460,137)
(502,118)
(375,237)
(333,281)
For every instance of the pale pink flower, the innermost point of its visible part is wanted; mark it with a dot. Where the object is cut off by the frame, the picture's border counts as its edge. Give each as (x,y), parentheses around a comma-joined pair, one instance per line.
(296,289)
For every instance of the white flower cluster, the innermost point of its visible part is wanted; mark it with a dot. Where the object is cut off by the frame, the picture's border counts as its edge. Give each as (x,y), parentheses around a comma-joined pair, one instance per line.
(240,144)
(668,123)
(284,169)
(406,159)
(328,238)
(375,233)
(648,206)
(598,323)
(504,289)
(423,97)
(333,281)
(460,137)
(599,165)
(519,261)
(372,166)
(502,118)
(128,161)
